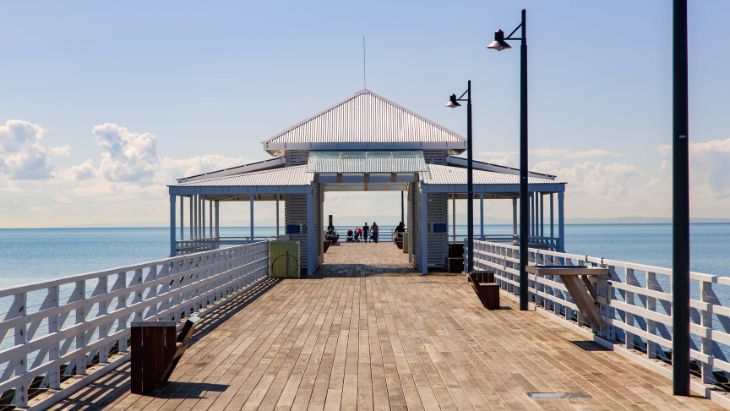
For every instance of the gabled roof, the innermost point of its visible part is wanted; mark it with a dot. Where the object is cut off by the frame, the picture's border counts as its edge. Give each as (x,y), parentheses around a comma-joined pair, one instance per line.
(365,121)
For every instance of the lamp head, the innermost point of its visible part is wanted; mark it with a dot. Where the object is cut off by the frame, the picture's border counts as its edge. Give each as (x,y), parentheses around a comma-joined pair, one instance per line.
(499,44)
(453,103)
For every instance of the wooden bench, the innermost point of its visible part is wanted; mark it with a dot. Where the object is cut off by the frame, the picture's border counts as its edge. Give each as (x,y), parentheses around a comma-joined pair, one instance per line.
(156,350)
(486,289)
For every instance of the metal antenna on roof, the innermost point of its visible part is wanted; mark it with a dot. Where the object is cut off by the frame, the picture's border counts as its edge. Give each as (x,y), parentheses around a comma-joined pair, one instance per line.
(364,78)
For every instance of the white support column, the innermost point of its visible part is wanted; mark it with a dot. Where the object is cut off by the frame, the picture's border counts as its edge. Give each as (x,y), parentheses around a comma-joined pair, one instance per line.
(217,218)
(191,219)
(481,216)
(552,218)
(561,221)
(453,218)
(423,260)
(310,233)
(173,242)
(514,218)
(202,217)
(542,214)
(182,218)
(250,199)
(210,214)
(277,216)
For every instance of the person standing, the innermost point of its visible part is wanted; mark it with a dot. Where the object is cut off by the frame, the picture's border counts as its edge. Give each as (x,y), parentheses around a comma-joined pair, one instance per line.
(365,232)
(374,230)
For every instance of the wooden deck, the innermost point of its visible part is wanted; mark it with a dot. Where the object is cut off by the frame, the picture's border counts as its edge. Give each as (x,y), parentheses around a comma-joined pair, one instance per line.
(371,334)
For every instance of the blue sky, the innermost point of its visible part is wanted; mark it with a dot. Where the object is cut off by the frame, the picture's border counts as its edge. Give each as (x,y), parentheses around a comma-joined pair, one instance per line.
(194,85)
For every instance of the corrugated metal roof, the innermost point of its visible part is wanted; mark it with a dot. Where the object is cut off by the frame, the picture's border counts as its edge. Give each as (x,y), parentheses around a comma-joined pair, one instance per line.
(366,118)
(244,168)
(449,175)
(287,176)
(405,161)
(483,165)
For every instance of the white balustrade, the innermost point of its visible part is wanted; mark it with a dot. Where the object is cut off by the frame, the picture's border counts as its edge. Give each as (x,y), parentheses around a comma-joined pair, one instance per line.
(64,333)
(635,302)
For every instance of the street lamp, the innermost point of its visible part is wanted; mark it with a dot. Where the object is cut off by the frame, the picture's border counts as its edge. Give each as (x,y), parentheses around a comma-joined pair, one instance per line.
(500,44)
(453,103)
(680,209)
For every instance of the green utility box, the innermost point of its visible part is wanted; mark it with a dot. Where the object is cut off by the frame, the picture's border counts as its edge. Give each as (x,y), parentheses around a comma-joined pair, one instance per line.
(405,242)
(284,259)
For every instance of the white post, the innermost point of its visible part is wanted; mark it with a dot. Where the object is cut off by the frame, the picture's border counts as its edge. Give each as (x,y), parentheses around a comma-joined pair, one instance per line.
(217,219)
(514,218)
(552,219)
(561,221)
(542,214)
(173,242)
(202,217)
(210,213)
(453,218)
(192,219)
(310,233)
(251,197)
(423,260)
(481,215)
(277,216)
(182,218)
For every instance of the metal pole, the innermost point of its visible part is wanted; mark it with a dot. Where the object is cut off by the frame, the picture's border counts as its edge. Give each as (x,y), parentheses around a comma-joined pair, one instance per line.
(680,240)
(469,184)
(524,212)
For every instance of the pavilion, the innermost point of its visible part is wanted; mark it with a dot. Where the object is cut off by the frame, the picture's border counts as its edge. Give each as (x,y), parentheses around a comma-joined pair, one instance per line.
(364,143)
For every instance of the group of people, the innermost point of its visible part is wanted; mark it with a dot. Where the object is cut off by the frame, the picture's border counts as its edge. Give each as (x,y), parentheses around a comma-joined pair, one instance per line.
(364,234)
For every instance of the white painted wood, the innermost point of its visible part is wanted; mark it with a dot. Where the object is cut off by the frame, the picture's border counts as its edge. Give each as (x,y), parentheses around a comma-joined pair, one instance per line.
(80,317)
(632,303)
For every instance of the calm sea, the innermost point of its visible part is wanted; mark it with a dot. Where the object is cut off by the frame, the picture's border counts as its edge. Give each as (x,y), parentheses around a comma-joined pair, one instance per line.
(29,255)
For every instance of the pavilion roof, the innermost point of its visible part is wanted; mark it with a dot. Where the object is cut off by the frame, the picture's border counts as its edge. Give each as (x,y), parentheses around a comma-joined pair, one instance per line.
(365,121)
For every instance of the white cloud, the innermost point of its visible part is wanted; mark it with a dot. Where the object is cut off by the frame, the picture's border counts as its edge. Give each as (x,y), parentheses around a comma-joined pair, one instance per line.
(22,156)
(127,156)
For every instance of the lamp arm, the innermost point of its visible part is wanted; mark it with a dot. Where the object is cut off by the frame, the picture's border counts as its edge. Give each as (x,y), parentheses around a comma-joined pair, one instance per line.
(513,32)
(461,97)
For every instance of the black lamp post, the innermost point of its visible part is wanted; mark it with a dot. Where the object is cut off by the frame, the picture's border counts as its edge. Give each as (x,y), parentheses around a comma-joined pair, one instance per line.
(500,44)
(680,209)
(453,103)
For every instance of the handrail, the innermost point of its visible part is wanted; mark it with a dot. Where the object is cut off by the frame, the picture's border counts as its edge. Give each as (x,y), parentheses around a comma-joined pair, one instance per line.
(56,329)
(634,302)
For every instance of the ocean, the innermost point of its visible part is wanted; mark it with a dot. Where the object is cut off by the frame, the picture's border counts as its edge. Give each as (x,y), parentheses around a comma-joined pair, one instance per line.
(31,255)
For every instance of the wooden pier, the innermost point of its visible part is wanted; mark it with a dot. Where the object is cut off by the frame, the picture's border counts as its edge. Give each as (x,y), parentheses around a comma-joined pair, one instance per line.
(370,333)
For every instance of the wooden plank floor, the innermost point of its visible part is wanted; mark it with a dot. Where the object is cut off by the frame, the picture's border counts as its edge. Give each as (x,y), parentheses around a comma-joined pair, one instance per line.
(384,337)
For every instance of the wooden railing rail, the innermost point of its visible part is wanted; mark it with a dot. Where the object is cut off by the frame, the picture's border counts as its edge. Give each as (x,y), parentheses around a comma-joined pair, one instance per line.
(57,329)
(635,302)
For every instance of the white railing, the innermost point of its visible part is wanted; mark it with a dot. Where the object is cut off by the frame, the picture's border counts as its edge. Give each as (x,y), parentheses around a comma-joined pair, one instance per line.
(57,329)
(635,303)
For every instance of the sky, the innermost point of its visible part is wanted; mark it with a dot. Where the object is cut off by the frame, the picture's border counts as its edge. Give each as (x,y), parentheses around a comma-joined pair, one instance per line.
(102,104)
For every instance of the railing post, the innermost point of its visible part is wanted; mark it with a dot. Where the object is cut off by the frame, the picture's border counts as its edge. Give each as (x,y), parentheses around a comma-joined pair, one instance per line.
(52,301)
(707,296)
(651,347)
(629,300)
(79,294)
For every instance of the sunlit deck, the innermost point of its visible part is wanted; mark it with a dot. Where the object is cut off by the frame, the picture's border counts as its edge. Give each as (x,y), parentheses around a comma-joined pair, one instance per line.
(386,337)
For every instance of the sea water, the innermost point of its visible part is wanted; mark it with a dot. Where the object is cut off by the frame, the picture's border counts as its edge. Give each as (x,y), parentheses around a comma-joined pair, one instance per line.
(31,255)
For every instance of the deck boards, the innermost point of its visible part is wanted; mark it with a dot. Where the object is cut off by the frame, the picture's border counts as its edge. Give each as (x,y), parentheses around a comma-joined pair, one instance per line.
(370,333)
